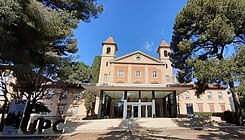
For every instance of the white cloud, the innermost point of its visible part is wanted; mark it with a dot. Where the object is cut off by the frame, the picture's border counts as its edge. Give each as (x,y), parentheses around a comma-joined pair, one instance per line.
(148,46)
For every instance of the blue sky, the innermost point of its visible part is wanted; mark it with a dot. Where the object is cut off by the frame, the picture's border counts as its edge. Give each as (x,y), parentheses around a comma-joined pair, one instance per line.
(133,24)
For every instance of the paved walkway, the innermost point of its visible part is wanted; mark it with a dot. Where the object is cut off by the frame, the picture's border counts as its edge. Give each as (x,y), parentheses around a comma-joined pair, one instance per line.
(142,129)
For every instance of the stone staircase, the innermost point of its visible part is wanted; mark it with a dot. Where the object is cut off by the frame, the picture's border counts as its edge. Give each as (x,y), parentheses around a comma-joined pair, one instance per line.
(128,124)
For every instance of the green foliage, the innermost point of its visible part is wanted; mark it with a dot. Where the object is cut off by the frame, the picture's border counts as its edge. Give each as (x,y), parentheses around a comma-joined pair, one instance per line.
(209,114)
(36,40)
(203,29)
(95,70)
(74,73)
(89,102)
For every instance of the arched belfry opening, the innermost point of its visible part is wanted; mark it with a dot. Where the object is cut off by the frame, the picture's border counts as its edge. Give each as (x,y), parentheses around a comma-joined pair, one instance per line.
(108,50)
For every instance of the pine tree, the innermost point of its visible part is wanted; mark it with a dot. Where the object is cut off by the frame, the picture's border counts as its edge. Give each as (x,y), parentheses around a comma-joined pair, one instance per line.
(203,30)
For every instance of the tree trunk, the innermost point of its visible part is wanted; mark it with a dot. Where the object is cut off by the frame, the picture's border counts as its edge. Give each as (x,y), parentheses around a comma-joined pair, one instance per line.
(4,108)
(238,117)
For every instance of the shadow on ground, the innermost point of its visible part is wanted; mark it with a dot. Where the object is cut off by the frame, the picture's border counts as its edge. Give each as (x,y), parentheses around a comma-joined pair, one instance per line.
(213,130)
(224,133)
(134,135)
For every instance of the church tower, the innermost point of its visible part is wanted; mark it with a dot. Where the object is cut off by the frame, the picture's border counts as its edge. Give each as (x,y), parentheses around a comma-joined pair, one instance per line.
(108,53)
(163,52)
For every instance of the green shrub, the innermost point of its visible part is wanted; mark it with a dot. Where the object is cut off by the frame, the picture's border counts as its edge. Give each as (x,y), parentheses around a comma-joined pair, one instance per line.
(207,114)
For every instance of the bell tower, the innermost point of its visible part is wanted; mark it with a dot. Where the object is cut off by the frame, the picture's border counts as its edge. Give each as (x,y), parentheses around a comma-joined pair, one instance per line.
(109,49)
(163,52)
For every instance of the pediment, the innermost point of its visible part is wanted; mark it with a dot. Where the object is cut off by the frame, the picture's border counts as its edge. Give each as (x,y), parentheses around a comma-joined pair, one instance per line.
(137,57)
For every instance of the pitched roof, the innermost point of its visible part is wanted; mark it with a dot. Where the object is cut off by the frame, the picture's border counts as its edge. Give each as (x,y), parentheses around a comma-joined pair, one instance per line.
(130,54)
(110,41)
(163,45)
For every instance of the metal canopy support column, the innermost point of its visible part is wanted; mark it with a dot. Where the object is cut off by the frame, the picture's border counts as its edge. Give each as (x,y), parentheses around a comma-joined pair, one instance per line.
(139,105)
(175,103)
(125,105)
(100,105)
(153,105)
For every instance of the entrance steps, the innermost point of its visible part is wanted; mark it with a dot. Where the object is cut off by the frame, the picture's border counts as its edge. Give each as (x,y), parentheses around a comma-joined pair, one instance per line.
(128,124)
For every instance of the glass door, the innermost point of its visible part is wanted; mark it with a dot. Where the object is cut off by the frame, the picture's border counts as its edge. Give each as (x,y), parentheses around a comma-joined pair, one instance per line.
(135,111)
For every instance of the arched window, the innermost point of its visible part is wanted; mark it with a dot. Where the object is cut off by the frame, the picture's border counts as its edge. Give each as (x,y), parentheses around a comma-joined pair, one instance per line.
(165,53)
(106,64)
(108,50)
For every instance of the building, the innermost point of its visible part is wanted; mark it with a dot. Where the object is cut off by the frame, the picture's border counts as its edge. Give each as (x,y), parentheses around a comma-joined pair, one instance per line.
(137,85)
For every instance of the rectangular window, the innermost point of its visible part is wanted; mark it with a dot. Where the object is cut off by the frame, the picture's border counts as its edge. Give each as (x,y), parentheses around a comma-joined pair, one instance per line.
(77,96)
(154,74)
(105,76)
(137,74)
(187,95)
(211,107)
(220,96)
(209,95)
(189,109)
(64,95)
(167,78)
(62,109)
(200,107)
(120,73)
(222,106)
(75,110)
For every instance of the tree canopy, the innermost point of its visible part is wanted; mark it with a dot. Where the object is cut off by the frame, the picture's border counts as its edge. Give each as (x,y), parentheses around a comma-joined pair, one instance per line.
(37,40)
(95,70)
(205,34)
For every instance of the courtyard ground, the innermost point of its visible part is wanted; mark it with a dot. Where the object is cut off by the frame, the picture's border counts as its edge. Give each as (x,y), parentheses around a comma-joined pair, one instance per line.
(158,134)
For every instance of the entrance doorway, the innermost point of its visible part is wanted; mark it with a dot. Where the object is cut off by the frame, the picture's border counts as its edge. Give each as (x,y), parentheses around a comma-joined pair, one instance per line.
(139,110)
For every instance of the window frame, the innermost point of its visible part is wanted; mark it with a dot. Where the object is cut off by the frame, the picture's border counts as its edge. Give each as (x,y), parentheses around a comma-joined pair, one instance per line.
(105,77)
(139,72)
(120,73)
(220,95)
(187,97)
(154,74)
(210,97)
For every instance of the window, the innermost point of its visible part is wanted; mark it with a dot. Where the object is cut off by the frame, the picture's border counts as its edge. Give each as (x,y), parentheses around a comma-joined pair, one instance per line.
(189,109)
(137,74)
(166,66)
(167,78)
(209,95)
(75,110)
(220,96)
(49,94)
(105,76)
(120,73)
(200,107)
(77,96)
(211,107)
(64,95)
(222,106)
(187,95)
(108,50)
(154,74)
(106,64)
(165,53)
(62,109)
